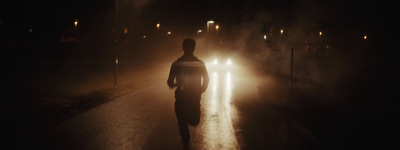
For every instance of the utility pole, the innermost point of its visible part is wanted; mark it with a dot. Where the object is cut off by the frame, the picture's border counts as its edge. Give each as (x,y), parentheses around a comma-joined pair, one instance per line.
(291,74)
(116,43)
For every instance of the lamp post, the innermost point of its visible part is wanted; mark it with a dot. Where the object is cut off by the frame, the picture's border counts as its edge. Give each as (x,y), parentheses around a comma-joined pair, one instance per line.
(76,29)
(319,43)
(208,33)
(116,43)
(76,23)
(208,25)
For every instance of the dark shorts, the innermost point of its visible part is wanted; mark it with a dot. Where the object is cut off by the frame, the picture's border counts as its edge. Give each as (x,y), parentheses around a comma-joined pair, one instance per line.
(188,111)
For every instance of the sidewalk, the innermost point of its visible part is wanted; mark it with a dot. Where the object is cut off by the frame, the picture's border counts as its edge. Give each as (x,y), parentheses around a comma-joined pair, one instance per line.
(357,111)
(41,97)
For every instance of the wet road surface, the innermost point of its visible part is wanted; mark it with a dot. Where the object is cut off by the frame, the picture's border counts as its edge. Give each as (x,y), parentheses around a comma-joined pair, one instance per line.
(235,114)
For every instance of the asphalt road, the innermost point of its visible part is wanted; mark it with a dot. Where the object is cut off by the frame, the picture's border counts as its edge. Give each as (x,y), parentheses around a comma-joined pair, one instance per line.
(236,114)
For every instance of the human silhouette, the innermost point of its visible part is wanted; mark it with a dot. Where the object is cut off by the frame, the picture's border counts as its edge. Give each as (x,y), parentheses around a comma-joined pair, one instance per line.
(186,76)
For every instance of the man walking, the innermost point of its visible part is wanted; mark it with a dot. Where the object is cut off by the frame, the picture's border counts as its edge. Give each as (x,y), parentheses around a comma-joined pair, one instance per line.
(186,75)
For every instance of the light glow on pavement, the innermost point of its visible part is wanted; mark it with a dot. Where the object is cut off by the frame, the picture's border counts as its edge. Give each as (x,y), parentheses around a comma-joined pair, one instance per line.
(219,113)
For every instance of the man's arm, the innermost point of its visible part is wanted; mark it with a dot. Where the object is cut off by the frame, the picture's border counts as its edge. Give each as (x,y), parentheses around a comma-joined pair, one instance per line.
(171,78)
(206,79)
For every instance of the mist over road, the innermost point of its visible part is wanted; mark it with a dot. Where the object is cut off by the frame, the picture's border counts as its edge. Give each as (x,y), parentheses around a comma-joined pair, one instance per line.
(234,116)
(243,108)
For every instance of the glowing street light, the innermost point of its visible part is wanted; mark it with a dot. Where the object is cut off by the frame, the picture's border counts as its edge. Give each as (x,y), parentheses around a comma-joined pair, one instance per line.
(215,61)
(281,31)
(365,37)
(125,30)
(320,33)
(208,25)
(199,31)
(169,33)
(265,37)
(30,30)
(158,26)
(76,23)
(208,33)
(229,62)
(216,27)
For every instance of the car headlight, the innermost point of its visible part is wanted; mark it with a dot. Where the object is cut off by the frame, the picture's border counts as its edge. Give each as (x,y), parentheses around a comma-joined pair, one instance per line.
(229,62)
(215,61)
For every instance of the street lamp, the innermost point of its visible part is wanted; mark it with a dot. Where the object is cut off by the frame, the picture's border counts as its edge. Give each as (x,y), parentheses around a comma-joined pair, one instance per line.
(365,37)
(208,33)
(76,29)
(76,23)
(216,28)
(116,43)
(208,25)
(320,33)
(158,26)
(281,32)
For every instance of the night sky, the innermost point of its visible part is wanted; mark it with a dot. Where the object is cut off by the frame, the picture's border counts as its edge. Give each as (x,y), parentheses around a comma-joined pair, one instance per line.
(49,19)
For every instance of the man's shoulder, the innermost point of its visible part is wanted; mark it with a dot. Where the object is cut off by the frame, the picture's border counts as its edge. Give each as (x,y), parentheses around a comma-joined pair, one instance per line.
(199,60)
(192,62)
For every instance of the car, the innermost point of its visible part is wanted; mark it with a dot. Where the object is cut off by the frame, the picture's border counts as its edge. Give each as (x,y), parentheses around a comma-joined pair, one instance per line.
(220,61)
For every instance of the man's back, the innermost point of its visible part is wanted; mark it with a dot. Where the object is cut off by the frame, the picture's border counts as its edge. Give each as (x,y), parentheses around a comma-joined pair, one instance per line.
(188,71)
(192,79)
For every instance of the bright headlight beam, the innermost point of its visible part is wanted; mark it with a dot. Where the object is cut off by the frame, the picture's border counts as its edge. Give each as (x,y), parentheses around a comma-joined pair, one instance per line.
(215,61)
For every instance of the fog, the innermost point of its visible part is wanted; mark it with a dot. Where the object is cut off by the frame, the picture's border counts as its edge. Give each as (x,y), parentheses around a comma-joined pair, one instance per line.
(250,31)
(344,75)
(327,40)
(326,49)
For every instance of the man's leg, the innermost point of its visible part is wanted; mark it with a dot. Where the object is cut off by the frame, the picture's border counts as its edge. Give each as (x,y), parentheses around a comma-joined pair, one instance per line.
(182,122)
(194,114)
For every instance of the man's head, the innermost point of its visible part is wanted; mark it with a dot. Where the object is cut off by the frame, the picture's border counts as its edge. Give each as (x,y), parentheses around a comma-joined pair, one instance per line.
(189,45)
